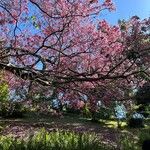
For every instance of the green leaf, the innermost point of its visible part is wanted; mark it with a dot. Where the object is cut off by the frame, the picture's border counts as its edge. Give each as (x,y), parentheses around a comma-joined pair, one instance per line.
(36,25)
(33,18)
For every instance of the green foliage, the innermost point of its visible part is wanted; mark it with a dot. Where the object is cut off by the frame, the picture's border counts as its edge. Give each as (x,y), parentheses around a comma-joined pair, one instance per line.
(122,24)
(143,94)
(129,143)
(34,22)
(1,128)
(73,110)
(12,110)
(33,18)
(53,141)
(3,92)
(86,111)
(144,109)
(102,113)
(136,122)
(144,135)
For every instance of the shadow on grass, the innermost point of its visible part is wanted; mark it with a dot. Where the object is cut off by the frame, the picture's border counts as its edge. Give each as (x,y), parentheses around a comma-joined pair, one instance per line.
(67,122)
(105,129)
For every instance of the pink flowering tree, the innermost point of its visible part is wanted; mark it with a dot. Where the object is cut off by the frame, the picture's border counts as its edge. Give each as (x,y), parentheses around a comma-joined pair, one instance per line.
(62,45)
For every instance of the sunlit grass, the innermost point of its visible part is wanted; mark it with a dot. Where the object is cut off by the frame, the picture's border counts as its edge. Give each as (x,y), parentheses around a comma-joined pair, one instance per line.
(113,123)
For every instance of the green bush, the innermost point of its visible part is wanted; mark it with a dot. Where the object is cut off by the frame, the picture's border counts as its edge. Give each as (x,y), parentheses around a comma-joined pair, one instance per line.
(136,122)
(73,110)
(143,94)
(144,135)
(3,92)
(144,109)
(53,141)
(12,110)
(86,111)
(102,113)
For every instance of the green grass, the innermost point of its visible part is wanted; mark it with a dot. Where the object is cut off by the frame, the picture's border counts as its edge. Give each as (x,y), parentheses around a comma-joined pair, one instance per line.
(72,122)
(112,123)
(58,140)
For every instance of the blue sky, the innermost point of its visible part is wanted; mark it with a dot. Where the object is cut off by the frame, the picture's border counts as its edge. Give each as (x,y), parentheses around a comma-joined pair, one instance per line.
(126,9)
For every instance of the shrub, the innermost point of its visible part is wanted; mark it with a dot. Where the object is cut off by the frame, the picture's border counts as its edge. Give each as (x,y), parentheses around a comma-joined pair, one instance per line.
(12,110)
(136,122)
(145,114)
(53,141)
(102,113)
(143,94)
(3,109)
(146,145)
(86,111)
(144,135)
(75,107)
(73,110)
(3,92)
(144,110)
